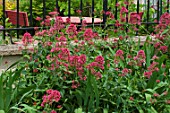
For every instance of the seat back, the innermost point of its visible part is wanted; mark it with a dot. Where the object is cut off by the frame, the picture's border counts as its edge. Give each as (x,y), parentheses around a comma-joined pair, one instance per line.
(12,15)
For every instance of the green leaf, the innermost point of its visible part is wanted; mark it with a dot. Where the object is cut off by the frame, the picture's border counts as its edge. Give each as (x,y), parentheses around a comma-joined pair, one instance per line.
(79,110)
(96,91)
(165,31)
(148,56)
(12,65)
(28,108)
(88,89)
(151,82)
(148,97)
(2,111)
(153,110)
(16,108)
(140,109)
(1,93)
(105,110)
(121,64)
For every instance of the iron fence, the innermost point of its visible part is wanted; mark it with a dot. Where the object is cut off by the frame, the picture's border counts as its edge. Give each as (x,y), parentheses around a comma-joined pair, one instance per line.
(158,3)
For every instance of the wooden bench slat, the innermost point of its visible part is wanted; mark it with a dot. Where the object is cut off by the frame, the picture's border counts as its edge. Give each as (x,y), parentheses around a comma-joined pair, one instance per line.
(12,15)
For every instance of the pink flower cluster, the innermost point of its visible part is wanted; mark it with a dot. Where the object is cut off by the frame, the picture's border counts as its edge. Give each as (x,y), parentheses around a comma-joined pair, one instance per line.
(119,55)
(160,47)
(72,31)
(52,96)
(135,18)
(59,24)
(98,63)
(75,84)
(78,62)
(165,19)
(163,23)
(148,74)
(153,67)
(64,58)
(27,38)
(140,58)
(123,12)
(125,71)
(110,14)
(88,34)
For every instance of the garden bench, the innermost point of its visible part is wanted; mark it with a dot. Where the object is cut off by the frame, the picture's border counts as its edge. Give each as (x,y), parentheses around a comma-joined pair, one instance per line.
(12,15)
(77,20)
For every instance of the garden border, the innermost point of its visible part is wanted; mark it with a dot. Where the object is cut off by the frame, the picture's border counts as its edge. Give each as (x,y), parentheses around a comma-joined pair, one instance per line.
(15,49)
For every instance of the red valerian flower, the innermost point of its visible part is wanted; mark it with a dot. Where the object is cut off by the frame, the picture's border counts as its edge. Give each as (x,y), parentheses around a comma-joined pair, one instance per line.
(110,14)
(38,19)
(148,74)
(79,11)
(53,13)
(155,94)
(135,18)
(164,49)
(165,93)
(59,23)
(131,98)
(72,30)
(119,53)
(68,20)
(141,54)
(168,102)
(53,111)
(27,38)
(125,71)
(123,10)
(157,81)
(117,23)
(52,96)
(88,34)
(165,19)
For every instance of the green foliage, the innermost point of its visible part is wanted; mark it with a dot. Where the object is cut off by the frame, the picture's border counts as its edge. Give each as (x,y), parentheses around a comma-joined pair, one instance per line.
(93,72)
(10,5)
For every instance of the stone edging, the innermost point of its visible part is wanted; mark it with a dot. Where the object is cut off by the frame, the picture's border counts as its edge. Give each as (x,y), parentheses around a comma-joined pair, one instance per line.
(12,49)
(7,50)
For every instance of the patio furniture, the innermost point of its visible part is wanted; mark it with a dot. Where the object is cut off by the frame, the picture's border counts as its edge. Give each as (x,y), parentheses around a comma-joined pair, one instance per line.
(23,19)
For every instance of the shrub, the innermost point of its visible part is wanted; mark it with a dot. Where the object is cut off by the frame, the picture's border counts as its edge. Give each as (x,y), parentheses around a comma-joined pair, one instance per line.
(97,76)
(81,70)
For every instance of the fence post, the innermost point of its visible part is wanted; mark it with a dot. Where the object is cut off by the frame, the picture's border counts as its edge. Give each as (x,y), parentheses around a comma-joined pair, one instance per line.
(147,18)
(116,9)
(57,6)
(137,26)
(168,6)
(17,19)
(31,18)
(69,8)
(158,11)
(44,9)
(81,9)
(160,7)
(104,12)
(3,4)
(92,11)
(127,7)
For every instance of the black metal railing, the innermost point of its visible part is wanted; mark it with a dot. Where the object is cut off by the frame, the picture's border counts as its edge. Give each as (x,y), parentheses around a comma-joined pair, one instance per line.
(105,8)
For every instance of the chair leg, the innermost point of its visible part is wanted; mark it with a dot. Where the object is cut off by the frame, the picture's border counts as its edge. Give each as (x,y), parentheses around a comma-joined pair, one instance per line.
(10,38)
